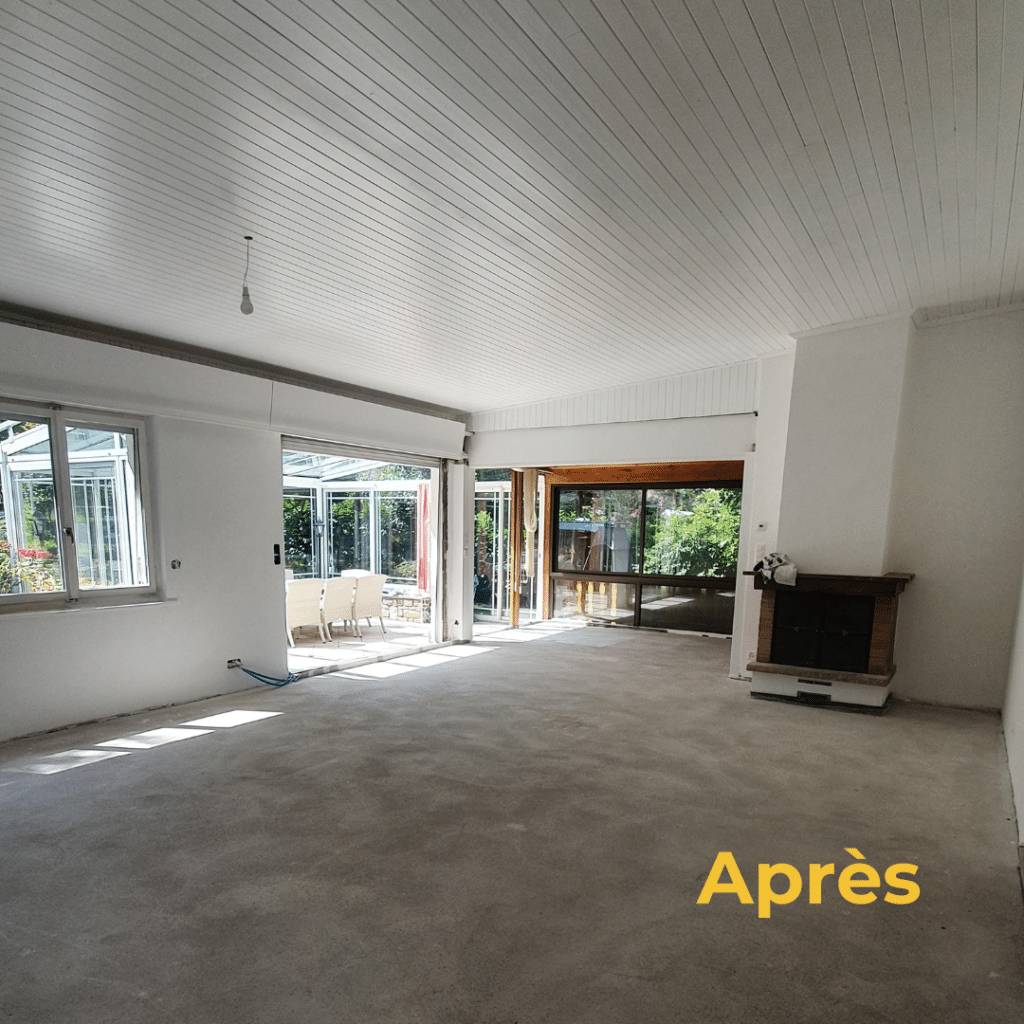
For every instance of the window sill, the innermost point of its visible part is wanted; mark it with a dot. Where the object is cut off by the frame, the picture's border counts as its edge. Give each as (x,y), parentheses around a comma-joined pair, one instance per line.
(92,603)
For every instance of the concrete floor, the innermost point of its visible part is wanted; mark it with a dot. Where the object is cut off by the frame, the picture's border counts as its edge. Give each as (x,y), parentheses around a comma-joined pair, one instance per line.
(513,835)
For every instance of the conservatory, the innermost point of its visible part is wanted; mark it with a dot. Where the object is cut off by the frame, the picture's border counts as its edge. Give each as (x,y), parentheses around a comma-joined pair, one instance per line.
(343,513)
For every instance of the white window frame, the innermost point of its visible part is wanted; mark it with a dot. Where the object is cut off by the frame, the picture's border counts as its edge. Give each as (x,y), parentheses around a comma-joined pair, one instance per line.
(73,594)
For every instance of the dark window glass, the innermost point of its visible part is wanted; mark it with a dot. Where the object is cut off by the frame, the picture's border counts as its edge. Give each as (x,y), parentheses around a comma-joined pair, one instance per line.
(598,530)
(692,608)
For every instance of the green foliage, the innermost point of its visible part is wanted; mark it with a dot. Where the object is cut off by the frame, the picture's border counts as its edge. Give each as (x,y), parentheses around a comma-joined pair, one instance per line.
(30,574)
(350,532)
(484,529)
(394,472)
(699,540)
(298,534)
(8,572)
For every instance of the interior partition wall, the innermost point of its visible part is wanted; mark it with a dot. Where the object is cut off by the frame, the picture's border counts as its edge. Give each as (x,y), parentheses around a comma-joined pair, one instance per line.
(639,546)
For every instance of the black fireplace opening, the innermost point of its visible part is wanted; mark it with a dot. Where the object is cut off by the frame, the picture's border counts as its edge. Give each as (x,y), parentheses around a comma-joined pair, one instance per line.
(814,629)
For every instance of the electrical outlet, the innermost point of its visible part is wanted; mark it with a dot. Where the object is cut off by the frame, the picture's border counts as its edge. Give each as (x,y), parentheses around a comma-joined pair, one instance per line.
(235,663)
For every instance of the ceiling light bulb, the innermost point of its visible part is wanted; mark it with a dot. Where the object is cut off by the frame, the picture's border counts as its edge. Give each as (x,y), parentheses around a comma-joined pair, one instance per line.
(246,306)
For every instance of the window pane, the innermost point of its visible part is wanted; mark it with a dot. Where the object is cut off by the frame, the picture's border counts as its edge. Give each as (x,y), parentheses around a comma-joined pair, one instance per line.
(298,533)
(490,544)
(692,531)
(398,536)
(693,608)
(595,600)
(106,501)
(598,530)
(29,533)
(350,513)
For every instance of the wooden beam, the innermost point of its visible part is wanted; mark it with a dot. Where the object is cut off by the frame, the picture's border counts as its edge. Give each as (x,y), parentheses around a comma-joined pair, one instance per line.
(647,473)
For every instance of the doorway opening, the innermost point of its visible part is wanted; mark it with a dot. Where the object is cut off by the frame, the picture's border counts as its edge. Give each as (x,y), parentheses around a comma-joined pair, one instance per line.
(360,555)
(506,560)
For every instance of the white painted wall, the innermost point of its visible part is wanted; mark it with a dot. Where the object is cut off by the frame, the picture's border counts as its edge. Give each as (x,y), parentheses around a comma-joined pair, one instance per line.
(847,387)
(217,498)
(215,465)
(49,367)
(1013,717)
(762,482)
(678,440)
(956,511)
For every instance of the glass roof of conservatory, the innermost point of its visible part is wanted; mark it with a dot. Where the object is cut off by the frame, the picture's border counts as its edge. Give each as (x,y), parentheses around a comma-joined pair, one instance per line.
(325,467)
(36,440)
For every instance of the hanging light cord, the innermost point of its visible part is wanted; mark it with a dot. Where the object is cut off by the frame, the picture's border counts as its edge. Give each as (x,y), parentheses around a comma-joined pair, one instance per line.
(245,276)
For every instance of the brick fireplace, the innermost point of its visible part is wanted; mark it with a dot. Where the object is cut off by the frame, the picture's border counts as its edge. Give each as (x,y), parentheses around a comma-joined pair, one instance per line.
(829,639)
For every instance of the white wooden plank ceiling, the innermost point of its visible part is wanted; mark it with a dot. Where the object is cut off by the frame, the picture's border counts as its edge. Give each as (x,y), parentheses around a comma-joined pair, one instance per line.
(493,202)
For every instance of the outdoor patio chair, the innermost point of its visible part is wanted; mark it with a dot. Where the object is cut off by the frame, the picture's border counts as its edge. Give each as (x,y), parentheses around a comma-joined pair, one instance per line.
(339,593)
(302,602)
(356,572)
(369,601)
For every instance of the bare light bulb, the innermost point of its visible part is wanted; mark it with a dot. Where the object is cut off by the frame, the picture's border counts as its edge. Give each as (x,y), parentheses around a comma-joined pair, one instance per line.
(246,306)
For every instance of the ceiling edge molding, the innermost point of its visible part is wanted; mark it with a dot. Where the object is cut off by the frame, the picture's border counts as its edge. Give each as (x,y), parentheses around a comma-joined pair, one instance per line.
(71,327)
(714,391)
(851,325)
(922,321)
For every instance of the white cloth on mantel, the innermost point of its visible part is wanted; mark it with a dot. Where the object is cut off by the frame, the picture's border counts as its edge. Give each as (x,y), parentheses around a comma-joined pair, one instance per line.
(777,568)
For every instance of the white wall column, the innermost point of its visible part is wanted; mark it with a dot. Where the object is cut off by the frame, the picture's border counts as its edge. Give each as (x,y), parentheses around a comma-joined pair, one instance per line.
(459,559)
(762,497)
(843,419)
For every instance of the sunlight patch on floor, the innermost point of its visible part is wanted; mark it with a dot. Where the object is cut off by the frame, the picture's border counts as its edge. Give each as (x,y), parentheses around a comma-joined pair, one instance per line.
(53,763)
(154,738)
(229,719)
(378,670)
(466,651)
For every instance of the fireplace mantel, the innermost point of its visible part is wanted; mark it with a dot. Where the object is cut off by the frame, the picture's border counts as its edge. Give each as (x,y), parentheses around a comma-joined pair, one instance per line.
(891,583)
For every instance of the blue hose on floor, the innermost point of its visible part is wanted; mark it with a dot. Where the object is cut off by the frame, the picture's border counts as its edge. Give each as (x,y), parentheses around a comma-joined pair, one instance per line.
(269,680)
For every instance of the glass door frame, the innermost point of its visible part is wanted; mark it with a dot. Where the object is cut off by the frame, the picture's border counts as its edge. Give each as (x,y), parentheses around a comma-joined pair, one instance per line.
(639,579)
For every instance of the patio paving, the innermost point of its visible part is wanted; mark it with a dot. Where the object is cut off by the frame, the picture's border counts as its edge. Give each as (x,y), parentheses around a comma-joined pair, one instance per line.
(311,656)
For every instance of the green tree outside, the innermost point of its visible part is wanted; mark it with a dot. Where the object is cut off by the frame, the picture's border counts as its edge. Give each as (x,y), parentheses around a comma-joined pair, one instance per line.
(699,535)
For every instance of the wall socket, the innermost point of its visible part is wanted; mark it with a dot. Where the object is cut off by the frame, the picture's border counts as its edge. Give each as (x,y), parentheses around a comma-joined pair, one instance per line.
(234,663)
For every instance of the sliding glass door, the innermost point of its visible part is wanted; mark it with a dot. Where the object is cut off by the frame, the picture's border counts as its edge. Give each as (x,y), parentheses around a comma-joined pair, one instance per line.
(658,555)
